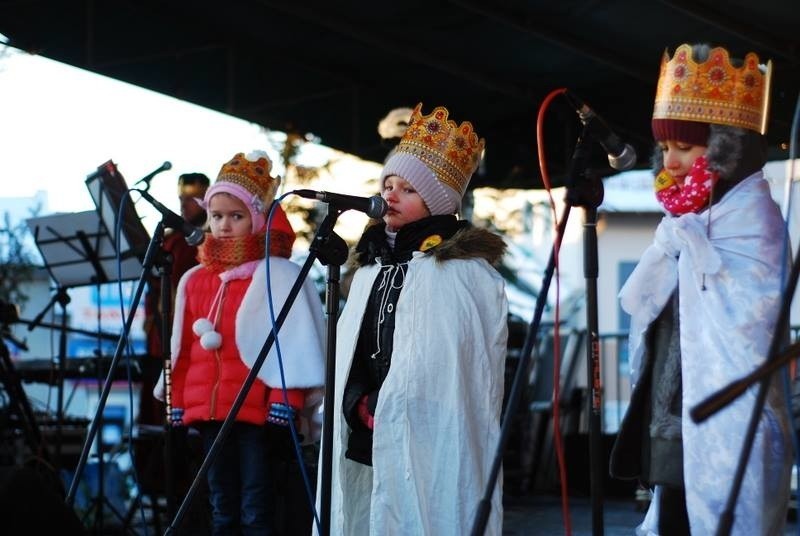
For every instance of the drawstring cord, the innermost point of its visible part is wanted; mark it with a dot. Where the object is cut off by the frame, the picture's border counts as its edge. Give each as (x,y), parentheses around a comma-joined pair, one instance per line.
(388,283)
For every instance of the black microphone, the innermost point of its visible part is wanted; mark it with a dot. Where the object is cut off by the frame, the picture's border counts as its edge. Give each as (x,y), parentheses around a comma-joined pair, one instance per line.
(374,207)
(194,235)
(147,178)
(621,156)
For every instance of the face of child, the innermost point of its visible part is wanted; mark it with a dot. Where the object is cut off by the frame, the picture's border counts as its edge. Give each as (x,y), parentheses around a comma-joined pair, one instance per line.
(679,157)
(405,204)
(228,216)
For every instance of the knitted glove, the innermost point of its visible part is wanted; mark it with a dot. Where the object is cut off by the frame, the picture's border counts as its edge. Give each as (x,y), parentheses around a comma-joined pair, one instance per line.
(366,409)
(176,417)
(280,444)
(280,414)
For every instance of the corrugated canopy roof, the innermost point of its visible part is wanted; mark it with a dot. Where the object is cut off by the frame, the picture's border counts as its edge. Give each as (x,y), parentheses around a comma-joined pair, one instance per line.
(336,68)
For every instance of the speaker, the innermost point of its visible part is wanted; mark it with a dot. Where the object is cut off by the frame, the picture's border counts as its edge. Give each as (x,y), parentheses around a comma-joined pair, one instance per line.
(32,502)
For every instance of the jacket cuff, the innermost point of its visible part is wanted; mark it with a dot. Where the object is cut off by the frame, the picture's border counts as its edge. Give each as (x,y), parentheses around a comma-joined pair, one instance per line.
(296,397)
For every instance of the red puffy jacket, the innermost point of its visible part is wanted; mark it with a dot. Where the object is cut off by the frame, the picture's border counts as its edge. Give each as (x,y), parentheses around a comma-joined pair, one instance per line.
(206,382)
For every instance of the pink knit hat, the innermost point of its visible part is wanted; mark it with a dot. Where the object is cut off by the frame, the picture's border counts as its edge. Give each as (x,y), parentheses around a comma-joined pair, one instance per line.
(247,177)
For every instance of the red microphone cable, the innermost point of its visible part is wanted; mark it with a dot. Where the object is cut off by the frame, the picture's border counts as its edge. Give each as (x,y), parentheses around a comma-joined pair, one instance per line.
(562,470)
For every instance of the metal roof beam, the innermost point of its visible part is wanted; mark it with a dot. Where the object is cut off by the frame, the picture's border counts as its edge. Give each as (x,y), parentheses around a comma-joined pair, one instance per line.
(745,32)
(404,49)
(526,26)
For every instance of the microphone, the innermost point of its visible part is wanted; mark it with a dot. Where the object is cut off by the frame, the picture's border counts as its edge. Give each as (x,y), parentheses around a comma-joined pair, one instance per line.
(147,178)
(621,156)
(374,207)
(194,235)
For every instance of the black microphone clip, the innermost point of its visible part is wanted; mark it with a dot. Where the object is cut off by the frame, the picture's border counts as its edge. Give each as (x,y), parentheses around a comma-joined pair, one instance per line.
(194,235)
(621,155)
(147,178)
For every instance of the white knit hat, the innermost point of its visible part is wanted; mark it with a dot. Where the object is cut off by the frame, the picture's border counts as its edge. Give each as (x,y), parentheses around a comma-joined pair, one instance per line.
(439,199)
(437,157)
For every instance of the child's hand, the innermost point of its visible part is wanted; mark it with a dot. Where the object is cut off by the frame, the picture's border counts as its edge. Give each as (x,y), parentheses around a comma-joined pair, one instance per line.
(280,444)
(280,414)
(176,417)
(366,409)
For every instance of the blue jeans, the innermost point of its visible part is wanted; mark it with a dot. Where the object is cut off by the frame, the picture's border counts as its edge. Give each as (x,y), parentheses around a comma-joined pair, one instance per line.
(238,480)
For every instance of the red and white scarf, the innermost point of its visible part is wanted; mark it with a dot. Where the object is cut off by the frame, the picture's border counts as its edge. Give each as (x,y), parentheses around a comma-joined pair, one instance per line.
(695,193)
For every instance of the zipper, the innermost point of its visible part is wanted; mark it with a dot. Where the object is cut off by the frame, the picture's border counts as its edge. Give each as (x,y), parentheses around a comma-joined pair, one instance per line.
(215,388)
(217,359)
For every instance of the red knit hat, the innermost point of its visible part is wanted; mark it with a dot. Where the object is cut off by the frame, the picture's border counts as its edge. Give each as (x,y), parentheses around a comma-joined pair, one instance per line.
(692,132)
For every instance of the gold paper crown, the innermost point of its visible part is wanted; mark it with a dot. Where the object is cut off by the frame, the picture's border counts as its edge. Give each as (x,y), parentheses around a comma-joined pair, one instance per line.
(252,172)
(451,151)
(713,91)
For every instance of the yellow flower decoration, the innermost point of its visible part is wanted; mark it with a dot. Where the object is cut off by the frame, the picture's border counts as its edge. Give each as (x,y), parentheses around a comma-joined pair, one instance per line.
(430,242)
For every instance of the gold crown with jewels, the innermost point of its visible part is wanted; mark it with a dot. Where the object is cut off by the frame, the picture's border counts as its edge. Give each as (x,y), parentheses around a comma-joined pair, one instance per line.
(452,151)
(251,171)
(713,91)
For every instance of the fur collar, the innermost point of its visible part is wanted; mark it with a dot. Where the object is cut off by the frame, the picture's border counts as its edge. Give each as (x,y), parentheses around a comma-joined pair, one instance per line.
(470,243)
(466,243)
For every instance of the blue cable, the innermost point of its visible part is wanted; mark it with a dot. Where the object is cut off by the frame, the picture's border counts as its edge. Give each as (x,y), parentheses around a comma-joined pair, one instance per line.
(295,440)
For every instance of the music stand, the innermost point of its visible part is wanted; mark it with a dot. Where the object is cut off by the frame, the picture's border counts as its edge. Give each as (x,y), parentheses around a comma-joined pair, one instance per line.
(108,188)
(77,250)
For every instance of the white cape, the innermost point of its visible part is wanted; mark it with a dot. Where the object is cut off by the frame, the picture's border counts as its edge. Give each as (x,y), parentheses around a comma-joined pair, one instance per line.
(438,413)
(727,263)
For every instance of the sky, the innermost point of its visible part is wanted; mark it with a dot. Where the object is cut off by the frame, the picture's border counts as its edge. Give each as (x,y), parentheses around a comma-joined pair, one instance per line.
(59,123)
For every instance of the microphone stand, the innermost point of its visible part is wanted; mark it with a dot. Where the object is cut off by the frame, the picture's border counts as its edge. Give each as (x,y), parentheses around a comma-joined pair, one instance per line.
(517,386)
(333,256)
(579,194)
(332,250)
(587,191)
(62,298)
(164,264)
(147,266)
(731,392)
(17,401)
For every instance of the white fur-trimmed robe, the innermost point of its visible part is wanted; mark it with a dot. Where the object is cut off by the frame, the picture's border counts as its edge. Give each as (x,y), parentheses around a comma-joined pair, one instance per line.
(438,412)
(728,269)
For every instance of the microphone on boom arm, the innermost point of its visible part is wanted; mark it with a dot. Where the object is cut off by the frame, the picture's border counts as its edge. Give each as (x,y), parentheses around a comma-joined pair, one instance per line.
(147,178)
(374,207)
(621,155)
(194,235)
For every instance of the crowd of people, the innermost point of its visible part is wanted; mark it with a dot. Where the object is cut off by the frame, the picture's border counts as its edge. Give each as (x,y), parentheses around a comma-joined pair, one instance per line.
(422,338)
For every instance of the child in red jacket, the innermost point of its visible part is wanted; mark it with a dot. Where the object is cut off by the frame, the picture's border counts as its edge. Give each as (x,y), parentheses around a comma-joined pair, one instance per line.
(221,322)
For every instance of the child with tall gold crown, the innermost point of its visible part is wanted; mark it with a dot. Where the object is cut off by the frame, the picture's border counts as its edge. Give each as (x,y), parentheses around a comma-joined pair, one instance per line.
(704,301)
(221,322)
(421,349)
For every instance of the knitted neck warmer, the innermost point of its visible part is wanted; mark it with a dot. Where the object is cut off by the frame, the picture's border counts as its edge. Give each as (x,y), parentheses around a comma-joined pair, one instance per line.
(695,193)
(421,235)
(221,254)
